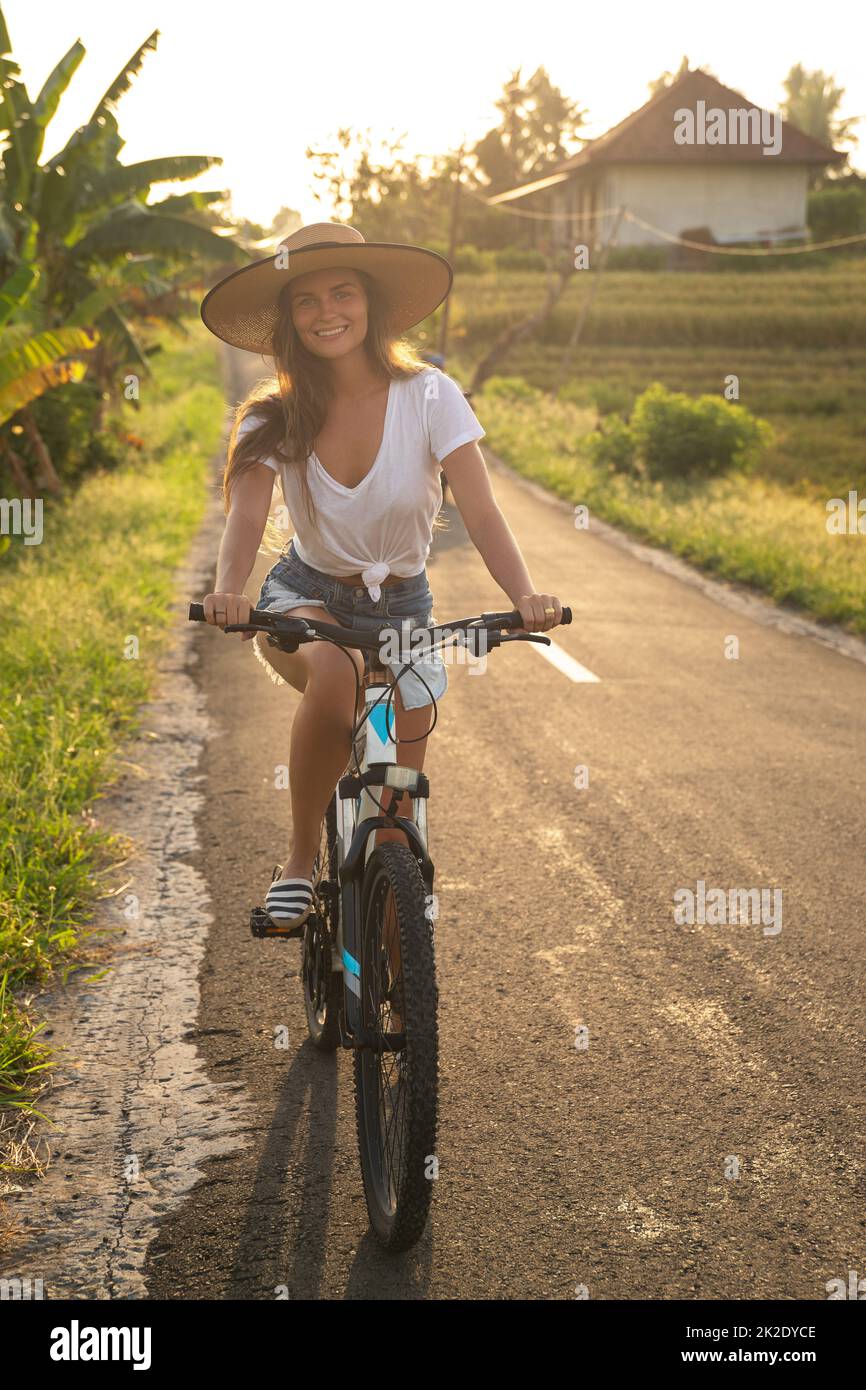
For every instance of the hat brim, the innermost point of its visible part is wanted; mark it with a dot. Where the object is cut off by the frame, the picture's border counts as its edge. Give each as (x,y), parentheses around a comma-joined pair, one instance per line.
(243,308)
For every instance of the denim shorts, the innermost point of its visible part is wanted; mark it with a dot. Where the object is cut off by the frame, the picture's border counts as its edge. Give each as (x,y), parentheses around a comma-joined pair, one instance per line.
(292,583)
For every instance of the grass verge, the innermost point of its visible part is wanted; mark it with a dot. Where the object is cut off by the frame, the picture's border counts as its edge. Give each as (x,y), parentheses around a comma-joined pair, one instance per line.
(740,527)
(85,615)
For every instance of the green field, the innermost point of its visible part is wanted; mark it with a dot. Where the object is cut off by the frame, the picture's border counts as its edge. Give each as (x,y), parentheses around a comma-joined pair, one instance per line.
(795,339)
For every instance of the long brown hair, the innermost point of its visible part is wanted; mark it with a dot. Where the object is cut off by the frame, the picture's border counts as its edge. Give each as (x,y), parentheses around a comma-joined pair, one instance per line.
(293,404)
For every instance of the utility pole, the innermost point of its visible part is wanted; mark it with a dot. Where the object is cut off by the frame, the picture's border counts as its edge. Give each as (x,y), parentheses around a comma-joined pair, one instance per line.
(588,302)
(452,248)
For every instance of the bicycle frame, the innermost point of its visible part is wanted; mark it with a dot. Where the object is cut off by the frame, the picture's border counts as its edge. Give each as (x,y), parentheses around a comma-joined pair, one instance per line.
(358,819)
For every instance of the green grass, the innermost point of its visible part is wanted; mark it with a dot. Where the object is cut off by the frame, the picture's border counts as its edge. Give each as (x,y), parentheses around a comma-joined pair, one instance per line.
(68,693)
(744,528)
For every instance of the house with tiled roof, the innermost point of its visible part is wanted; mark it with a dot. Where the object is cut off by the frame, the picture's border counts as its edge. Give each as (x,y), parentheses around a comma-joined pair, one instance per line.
(696,157)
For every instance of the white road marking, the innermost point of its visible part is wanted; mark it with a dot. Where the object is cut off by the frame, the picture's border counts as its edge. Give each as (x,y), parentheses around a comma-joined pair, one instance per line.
(564,663)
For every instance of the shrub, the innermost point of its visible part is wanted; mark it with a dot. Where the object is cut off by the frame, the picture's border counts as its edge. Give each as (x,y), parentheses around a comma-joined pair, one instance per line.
(836,212)
(511,387)
(65,419)
(612,398)
(520,258)
(471,260)
(676,435)
(638,258)
(575,392)
(613,446)
(467,259)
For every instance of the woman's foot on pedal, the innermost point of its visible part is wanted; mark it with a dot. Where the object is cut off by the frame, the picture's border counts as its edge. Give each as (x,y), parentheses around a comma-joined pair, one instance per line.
(289,901)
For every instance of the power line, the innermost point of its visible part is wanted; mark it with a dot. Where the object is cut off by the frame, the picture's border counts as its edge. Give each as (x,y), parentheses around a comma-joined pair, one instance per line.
(745,250)
(524,212)
(579,217)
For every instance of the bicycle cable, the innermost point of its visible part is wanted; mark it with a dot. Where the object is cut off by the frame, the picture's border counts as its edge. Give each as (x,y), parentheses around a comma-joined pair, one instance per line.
(389,698)
(407,666)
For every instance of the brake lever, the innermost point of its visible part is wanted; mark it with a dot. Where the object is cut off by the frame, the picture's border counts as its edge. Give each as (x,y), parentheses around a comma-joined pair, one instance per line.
(525,637)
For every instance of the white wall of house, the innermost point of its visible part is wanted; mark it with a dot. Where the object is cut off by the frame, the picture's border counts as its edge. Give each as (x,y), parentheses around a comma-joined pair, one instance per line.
(738,202)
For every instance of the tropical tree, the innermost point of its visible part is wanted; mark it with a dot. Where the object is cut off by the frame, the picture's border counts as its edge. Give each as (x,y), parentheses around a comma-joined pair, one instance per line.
(392,195)
(82,252)
(537,129)
(812,104)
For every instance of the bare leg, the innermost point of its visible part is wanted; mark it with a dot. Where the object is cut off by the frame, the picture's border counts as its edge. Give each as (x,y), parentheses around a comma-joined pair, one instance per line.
(321,734)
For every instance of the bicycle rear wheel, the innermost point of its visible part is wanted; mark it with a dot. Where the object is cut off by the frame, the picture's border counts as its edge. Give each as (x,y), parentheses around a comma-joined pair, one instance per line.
(322,985)
(396,1079)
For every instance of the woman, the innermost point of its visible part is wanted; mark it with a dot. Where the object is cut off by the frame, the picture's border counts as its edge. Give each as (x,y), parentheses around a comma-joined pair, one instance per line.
(373,424)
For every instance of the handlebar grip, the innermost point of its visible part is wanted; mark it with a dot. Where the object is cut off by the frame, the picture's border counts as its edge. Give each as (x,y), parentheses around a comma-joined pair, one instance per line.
(196,614)
(516,620)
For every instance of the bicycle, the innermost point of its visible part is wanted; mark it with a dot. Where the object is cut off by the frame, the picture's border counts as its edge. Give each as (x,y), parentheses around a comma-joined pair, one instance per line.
(368,963)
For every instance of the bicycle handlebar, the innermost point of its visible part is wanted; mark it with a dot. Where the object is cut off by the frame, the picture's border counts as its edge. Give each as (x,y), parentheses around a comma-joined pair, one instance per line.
(261,618)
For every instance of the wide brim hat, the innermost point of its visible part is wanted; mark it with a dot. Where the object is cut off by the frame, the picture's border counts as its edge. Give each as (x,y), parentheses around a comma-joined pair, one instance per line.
(243,309)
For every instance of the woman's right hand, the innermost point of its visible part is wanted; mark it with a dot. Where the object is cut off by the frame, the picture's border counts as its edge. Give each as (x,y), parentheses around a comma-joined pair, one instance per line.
(222,609)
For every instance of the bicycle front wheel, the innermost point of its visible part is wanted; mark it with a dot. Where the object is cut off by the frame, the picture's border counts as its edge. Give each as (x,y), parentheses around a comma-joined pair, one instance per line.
(396,1074)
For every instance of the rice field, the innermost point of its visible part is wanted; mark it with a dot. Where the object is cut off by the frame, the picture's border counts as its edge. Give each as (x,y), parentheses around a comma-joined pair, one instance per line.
(795,340)
(796,343)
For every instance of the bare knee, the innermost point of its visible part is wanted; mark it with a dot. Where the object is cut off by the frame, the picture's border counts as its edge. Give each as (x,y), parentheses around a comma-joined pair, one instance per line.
(330,667)
(332,679)
(289,666)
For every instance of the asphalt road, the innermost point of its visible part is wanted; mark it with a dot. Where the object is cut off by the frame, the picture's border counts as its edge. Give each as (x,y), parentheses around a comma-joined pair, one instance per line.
(707,1142)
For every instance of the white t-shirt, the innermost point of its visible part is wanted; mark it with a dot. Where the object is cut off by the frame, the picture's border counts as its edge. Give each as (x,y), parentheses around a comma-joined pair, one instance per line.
(385,524)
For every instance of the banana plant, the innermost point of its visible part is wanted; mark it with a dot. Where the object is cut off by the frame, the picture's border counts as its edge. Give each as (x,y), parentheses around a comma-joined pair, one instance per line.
(39,362)
(31,364)
(82,252)
(83,215)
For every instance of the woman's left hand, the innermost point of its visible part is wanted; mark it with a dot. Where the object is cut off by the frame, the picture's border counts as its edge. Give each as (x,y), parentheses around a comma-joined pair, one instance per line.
(532,611)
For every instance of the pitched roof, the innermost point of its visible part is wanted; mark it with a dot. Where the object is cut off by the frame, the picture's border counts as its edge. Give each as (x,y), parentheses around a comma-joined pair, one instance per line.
(647,136)
(648,133)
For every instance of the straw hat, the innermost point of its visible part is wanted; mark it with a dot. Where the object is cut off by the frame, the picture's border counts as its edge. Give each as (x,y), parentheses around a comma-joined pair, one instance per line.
(243,309)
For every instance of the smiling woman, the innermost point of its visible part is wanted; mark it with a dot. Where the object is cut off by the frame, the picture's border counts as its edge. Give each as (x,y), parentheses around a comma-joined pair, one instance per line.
(358,429)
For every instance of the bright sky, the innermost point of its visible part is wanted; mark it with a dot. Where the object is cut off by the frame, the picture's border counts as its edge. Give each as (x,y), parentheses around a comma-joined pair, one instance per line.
(258,86)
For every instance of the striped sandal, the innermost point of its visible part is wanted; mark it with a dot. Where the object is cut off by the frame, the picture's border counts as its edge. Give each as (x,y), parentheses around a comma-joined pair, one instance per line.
(288,904)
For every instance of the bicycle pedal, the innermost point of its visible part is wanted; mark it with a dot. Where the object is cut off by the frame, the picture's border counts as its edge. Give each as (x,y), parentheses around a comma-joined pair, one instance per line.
(262,925)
